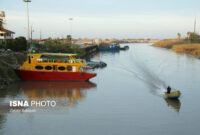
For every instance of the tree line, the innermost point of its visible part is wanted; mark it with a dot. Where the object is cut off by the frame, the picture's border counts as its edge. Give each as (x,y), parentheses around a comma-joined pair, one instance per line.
(191,36)
(62,46)
(17,44)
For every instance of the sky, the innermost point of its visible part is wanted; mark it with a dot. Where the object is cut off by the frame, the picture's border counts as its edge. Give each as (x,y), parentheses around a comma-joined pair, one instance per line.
(103,18)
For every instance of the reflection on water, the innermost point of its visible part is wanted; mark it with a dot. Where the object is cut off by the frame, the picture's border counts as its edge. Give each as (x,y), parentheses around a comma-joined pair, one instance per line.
(65,93)
(73,91)
(42,89)
(2,120)
(12,91)
(174,103)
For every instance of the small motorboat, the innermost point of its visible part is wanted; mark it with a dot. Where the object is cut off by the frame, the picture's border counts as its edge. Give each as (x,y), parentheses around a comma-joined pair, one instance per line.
(124,48)
(173,95)
(96,64)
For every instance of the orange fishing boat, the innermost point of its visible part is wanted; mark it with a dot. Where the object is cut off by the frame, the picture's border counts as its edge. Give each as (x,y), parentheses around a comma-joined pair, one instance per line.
(53,66)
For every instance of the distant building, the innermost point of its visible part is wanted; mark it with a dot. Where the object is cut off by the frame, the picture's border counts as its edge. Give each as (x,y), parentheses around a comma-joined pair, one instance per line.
(5,35)
(97,41)
(84,42)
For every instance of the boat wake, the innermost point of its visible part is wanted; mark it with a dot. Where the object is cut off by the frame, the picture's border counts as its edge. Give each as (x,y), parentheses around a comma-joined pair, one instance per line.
(141,71)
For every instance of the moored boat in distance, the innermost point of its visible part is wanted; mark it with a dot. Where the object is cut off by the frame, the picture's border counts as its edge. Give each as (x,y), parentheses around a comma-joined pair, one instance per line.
(124,48)
(53,66)
(113,47)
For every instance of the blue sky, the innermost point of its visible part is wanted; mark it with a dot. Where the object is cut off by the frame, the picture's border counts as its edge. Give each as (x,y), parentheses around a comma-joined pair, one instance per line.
(103,18)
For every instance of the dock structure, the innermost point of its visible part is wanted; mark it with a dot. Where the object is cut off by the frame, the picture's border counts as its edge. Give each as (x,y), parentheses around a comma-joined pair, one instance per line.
(89,49)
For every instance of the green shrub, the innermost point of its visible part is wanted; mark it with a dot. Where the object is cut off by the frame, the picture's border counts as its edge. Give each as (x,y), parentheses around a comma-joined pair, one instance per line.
(59,46)
(17,44)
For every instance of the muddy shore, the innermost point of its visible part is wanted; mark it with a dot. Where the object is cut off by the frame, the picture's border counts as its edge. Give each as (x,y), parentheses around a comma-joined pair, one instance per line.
(9,60)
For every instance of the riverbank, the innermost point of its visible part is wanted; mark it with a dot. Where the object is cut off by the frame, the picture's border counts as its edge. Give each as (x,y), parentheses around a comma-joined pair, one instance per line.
(7,62)
(180,46)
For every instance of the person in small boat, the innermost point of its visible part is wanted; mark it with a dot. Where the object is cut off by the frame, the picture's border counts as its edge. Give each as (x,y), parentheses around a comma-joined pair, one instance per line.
(168,90)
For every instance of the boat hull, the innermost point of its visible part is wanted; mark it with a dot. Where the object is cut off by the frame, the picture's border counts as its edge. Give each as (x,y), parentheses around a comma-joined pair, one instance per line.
(174,95)
(41,75)
(109,48)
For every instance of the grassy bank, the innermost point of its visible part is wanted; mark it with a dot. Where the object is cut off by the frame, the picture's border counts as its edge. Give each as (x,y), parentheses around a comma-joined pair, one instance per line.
(193,49)
(180,46)
(169,43)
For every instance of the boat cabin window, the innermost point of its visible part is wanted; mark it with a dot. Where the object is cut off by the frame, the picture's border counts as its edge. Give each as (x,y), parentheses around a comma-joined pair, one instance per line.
(61,68)
(48,67)
(39,67)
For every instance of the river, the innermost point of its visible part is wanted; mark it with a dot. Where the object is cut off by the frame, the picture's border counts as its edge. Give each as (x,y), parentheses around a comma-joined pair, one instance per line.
(126,98)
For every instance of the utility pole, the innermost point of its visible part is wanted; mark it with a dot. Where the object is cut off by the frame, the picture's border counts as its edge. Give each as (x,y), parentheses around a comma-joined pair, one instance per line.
(28,33)
(32,33)
(195,20)
(40,35)
(70,23)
